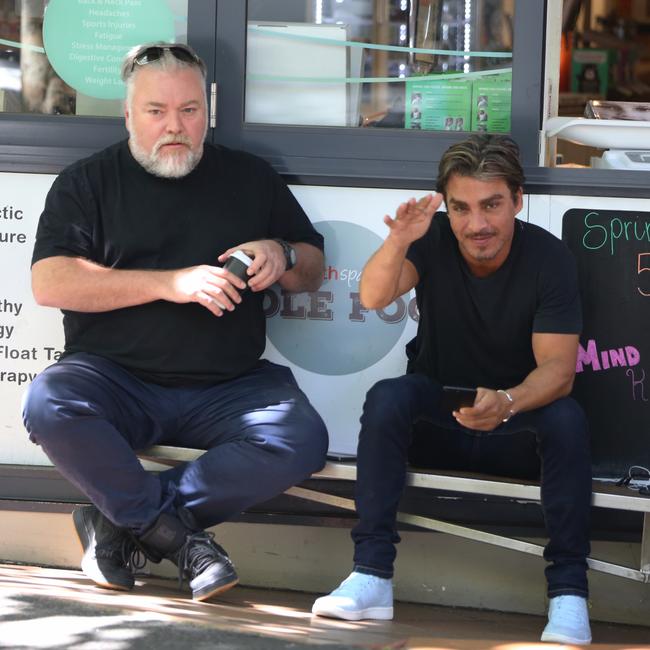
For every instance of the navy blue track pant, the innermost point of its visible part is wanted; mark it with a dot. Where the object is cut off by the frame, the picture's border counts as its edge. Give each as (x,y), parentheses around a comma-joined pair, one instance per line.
(90,414)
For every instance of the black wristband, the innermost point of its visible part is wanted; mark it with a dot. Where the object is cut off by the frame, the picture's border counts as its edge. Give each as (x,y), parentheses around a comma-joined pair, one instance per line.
(289,253)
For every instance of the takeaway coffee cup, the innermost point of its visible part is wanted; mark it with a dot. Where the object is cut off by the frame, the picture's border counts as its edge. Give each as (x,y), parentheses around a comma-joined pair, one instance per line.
(238,264)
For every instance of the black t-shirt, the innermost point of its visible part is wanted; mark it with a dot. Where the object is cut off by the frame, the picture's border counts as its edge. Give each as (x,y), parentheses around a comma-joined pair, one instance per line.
(478,331)
(108,209)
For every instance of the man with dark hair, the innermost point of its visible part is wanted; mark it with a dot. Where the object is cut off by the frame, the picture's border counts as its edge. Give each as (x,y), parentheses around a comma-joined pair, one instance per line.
(163,344)
(499,311)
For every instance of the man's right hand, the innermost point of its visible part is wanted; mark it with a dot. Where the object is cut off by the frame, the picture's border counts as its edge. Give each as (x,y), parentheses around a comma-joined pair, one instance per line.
(211,286)
(412,219)
(78,284)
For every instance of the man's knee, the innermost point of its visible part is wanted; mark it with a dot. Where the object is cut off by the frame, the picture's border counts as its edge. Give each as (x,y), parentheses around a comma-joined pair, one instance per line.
(396,401)
(38,408)
(389,410)
(388,397)
(52,398)
(301,448)
(564,424)
(314,453)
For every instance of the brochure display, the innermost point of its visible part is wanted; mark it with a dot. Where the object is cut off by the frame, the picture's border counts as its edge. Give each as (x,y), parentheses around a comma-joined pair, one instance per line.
(434,105)
(492,103)
(456,104)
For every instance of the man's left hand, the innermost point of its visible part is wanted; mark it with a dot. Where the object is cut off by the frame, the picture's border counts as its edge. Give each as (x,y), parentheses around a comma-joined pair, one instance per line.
(487,413)
(269,263)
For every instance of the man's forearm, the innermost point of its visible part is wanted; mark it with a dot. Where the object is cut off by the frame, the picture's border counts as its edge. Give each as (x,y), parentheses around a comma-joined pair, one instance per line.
(543,385)
(307,275)
(380,278)
(555,355)
(386,275)
(77,284)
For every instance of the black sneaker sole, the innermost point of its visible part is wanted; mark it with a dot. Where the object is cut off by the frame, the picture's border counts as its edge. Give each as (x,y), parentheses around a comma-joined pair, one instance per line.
(209,591)
(88,561)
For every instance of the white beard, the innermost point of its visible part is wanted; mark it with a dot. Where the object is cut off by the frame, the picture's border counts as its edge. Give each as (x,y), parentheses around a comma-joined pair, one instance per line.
(174,164)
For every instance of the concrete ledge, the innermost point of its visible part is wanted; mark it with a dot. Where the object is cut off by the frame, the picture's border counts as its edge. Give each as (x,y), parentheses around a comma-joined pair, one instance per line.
(431,568)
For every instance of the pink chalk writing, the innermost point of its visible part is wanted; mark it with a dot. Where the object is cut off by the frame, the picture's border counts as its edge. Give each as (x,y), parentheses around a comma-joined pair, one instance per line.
(606,359)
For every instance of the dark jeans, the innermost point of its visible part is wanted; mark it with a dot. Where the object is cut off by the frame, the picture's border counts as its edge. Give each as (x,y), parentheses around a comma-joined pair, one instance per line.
(261,433)
(555,437)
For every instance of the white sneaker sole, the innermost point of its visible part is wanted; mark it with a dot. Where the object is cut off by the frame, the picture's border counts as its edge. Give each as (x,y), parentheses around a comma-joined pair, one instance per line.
(374,613)
(550,637)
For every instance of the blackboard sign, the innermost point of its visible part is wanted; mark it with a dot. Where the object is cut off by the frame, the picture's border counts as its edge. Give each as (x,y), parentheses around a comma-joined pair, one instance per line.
(612,249)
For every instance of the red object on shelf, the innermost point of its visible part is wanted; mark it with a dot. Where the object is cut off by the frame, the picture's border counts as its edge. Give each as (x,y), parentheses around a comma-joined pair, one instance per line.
(565,61)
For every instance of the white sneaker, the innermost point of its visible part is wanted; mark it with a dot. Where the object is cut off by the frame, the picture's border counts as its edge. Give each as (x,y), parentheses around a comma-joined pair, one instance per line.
(568,621)
(358,596)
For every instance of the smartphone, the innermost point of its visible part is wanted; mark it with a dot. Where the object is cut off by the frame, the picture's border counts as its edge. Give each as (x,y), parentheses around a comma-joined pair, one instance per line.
(454,397)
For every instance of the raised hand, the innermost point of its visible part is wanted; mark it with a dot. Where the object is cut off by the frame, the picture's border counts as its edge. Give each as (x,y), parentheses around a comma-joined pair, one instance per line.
(412,219)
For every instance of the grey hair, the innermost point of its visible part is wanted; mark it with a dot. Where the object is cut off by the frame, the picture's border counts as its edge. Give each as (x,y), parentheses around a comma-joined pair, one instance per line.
(483,157)
(167,62)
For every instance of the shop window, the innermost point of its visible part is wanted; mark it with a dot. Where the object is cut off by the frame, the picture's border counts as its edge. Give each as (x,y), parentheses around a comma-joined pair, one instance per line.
(62,57)
(439,65)
(400,82)
(372,92)
(604,76)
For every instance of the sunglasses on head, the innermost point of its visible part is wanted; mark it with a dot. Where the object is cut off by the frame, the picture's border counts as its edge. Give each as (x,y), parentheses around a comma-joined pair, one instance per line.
(155,52)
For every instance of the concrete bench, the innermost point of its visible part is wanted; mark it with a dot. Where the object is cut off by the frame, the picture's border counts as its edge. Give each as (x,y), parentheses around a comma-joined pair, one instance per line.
(604,495)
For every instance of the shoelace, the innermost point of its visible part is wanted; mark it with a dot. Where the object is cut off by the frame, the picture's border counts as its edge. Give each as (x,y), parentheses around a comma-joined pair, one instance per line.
(133,556)
(197,553)
(123,549)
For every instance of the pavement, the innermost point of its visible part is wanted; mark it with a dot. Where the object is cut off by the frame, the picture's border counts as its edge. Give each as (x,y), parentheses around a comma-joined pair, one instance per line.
(58,608)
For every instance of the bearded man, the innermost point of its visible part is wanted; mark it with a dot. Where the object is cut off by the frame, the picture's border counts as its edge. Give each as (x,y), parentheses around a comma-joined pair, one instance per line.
(163,344)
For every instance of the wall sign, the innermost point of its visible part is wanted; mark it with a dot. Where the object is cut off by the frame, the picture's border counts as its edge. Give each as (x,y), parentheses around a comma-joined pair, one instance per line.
(31,337)
(612,249)
(329,331)
(86,40)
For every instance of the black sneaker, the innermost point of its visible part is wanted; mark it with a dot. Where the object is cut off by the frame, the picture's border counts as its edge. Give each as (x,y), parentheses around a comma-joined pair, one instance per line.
(109,551)
(206,565)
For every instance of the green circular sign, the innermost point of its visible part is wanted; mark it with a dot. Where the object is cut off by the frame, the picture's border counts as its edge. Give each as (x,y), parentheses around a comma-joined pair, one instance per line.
(86,40)
(329,331)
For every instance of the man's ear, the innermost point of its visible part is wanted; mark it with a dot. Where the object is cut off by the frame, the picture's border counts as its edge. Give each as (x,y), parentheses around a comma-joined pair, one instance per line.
(519,200)
(127,117)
